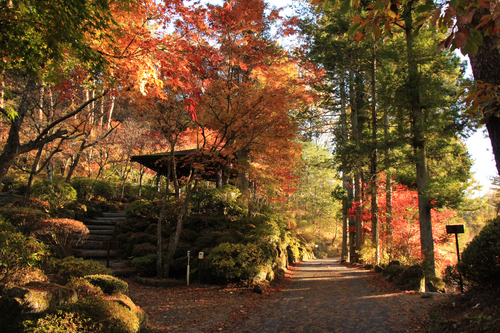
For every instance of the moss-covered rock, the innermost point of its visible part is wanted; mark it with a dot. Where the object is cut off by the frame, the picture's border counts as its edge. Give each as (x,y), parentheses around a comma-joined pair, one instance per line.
(37,297)
(412,278)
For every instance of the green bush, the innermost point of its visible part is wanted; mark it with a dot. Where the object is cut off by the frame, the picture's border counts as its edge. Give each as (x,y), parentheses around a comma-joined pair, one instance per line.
(17,253)
(14,181)
(224,201)
(143,208)
(145,266)
(143,249)
(108,284)
(236,262)
(65,269)
(25,219)
(84,288)
(111,316)
(61,322)
(89,189)
(129,240)
(58,194)
(480,265)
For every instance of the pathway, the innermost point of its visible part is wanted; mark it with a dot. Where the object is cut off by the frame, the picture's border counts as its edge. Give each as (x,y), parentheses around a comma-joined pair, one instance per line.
(101,231)
(325,296)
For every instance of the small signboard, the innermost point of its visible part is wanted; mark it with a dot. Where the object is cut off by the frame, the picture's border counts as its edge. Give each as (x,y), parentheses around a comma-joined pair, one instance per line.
(455,229)
(200,255)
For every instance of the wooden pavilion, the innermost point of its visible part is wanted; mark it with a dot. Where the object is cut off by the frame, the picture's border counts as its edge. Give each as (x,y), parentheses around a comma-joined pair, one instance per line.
(208,167)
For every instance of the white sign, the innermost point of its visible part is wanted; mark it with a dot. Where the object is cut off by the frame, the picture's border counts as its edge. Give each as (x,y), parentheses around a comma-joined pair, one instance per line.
(200,255)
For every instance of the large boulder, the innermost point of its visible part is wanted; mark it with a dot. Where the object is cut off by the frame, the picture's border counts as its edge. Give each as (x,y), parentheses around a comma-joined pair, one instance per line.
(412,278)
(37,297)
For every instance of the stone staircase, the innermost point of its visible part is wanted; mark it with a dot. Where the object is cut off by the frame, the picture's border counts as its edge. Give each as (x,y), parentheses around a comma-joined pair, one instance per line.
(99,243)
(3,198)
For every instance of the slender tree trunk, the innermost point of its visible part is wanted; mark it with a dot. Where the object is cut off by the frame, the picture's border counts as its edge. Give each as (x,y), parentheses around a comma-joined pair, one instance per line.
(373,164)
(419,144)
(2,86)
(174,239)
(357,173)
(110,112)
(159,256)
(76,160)
(345,180)
(33,173)
(388,189)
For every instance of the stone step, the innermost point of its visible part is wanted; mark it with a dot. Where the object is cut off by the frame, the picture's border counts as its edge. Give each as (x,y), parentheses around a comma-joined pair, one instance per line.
(101,227)
(101,232)
(88,244)
(94,253)
(102,222)
(102,238)
(116,264)
(114,215)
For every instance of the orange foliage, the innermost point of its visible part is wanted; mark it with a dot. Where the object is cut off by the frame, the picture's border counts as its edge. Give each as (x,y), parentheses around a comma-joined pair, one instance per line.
(60,231)
(401,239)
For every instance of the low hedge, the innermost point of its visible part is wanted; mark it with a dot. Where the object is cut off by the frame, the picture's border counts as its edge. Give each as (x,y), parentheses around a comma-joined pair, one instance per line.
(108,284)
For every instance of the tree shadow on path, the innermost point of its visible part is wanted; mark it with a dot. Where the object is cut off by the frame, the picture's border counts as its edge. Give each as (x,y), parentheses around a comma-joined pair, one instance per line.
(325,296)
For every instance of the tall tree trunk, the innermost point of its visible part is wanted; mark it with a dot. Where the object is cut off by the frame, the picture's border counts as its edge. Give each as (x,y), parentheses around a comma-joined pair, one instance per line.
(174,239)
(419,144)
(2,86)
(373,164)
(11,147)
(110,112)
(345,181)
(159,256)
(76,160)
(388,188)
(485,67)
(33,173)
(357,172)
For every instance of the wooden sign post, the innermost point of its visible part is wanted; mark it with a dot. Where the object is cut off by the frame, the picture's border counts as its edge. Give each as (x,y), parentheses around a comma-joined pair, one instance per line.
(457,229)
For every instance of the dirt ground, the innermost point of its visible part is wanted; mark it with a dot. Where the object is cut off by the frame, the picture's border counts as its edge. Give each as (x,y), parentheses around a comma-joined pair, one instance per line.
(317,296)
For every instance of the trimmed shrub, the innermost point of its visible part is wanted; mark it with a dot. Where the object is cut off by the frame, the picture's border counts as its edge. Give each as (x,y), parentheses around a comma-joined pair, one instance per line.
(65,269)
(143,249)
(108,284)
(480,265)
(41,205)
(25,219)
(131,239)
(60,232)
(144,208)
(61,322)
(58,194)
(110,315)
(236,262)
(89,189)
(84,288)
(17,253)
(145,266)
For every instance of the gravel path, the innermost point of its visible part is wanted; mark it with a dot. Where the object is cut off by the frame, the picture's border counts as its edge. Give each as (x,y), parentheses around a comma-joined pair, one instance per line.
(325,296)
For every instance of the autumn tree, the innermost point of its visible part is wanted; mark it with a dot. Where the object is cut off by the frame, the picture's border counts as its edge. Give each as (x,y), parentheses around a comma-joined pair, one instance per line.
(104,46)
(254,84)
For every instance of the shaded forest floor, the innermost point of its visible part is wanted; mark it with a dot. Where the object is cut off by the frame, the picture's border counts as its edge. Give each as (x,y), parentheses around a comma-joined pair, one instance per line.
(316,296)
